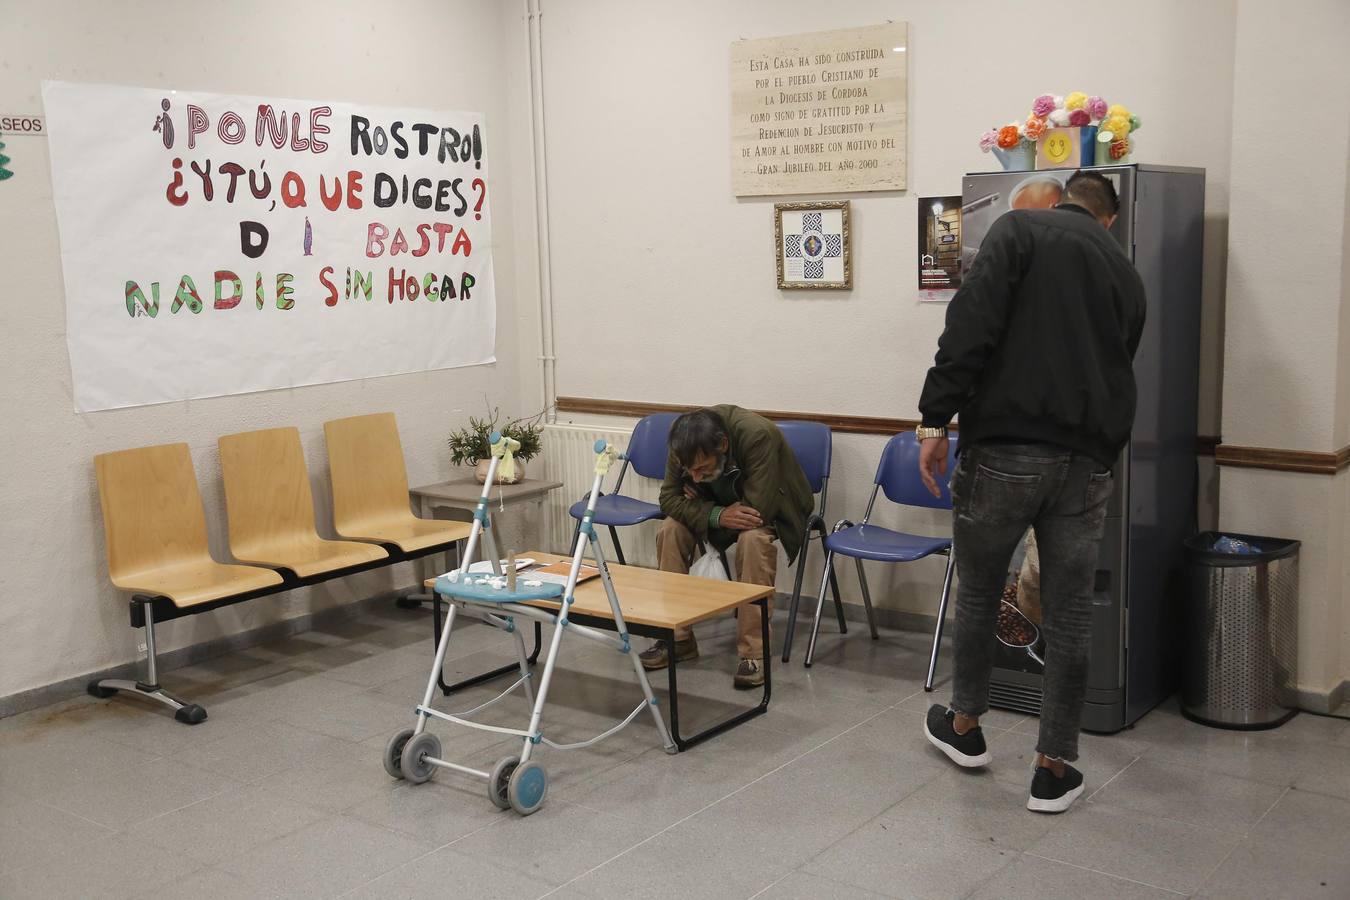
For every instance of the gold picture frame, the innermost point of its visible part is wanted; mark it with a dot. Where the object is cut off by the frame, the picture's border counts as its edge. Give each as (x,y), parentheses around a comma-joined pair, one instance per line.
(811,246)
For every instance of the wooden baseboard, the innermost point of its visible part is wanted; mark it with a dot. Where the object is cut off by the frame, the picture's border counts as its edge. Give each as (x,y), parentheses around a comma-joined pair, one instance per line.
(846,424)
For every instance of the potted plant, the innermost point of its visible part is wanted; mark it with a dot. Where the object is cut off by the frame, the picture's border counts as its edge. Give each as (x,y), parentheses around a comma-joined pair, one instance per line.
(469,446)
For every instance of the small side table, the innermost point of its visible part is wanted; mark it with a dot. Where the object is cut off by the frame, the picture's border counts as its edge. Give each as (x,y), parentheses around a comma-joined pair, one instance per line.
(462,495)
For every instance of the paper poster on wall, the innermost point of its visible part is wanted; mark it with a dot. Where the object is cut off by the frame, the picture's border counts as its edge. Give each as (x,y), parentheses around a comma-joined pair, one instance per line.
(939,248)
(217,244)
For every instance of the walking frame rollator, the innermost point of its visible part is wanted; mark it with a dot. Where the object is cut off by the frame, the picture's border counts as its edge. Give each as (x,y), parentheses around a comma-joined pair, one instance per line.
(518,782)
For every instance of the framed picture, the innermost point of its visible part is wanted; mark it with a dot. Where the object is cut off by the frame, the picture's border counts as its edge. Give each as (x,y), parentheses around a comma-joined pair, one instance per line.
(811,241)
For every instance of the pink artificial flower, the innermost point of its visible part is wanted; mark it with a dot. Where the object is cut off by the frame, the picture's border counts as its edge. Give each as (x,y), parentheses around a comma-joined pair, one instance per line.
(989,140)
(1096,108)
(1079,117)
(1043,106)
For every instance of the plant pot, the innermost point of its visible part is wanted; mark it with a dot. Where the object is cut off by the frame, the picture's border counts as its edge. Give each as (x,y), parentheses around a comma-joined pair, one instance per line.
(1103,154)
(1021,158)
(480,472)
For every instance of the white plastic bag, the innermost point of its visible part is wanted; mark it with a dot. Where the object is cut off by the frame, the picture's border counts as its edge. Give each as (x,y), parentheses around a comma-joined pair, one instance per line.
(709,565)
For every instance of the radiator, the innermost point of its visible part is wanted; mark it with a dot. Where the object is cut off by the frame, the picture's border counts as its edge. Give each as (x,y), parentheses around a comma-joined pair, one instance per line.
(569,456)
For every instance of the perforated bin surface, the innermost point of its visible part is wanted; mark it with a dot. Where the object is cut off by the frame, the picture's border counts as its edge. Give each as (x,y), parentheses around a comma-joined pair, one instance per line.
(1242,636)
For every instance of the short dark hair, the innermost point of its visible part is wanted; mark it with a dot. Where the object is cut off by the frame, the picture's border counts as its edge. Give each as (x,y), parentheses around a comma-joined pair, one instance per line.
(1094,192)
(697,432)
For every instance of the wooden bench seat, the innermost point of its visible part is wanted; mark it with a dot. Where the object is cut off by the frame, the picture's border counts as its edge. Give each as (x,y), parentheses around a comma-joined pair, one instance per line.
(271,507)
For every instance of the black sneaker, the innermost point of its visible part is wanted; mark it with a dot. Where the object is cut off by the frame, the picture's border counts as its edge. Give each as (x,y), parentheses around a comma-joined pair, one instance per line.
(966,750)
(1054,795)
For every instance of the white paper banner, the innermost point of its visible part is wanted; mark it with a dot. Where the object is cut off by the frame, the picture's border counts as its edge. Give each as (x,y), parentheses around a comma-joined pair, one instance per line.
(215,244)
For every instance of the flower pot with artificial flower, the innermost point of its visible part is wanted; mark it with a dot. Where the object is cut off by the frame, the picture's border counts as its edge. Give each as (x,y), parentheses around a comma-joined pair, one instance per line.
(1015,153)
(1067,131)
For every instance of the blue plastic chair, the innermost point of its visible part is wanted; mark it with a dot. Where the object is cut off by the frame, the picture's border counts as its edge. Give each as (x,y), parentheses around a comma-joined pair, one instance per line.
(898,476)
(647,454)
(813,445)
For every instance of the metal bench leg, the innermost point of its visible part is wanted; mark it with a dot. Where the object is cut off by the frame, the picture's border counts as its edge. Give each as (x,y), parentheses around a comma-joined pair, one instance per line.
(183,711)
(941,620)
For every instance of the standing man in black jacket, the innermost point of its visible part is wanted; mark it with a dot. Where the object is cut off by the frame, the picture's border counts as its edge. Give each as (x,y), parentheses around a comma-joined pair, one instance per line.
(1037,358)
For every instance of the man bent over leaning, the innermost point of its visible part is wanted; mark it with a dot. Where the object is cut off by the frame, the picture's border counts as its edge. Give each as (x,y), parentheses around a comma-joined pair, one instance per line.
(731,478)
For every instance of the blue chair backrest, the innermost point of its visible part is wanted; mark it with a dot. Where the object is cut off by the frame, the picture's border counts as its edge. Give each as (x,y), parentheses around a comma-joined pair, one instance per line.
(898,473)
(813,445)
(649,447)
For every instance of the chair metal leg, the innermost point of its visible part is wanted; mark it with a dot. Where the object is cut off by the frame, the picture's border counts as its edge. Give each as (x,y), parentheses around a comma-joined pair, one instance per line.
(941,620)
(796,600)
(867,600)
(618,548)
(183,711)
(820,605)
(838,603)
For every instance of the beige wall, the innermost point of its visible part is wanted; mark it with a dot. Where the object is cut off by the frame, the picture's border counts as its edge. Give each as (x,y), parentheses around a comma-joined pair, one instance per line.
(59,616)
(1286,378)
(657,263)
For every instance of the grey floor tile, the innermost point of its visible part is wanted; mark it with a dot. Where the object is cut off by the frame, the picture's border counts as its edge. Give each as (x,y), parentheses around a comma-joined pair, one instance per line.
(436,812)
(353,714)
(1264,756)
(212,884)
(974,806)
(1317,729)
(1325,769)
(805,886)
(227,824)
(111,868)
(325,859)
(266,748)
(556,844)
(1033,878)
(905,859)
(447,873)
(122,797)
(1262,869)
(33,833)
(1138,847)
(804,807)
(38,762)
(1190,795)
(666,787)
(677,865)
(1317,823)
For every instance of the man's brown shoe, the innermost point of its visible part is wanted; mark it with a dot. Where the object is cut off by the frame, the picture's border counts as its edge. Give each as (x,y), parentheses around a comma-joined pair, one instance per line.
(749,674)
(657,656)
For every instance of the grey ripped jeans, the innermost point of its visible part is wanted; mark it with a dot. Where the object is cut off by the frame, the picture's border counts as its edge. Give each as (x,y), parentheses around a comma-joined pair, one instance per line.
(998,491)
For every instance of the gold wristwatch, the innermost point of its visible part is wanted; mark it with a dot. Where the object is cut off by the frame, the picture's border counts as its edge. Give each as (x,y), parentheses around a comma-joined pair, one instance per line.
(926,433)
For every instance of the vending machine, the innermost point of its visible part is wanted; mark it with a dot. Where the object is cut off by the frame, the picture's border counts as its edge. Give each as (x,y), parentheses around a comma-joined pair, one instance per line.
(1137,595)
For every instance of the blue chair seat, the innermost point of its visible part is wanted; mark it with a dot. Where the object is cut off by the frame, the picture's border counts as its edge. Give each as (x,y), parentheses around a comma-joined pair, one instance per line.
(471,590)
(882,544)
(616,509)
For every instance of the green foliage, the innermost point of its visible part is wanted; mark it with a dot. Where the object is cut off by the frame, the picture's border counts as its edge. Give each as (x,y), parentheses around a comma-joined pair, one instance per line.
(470,443)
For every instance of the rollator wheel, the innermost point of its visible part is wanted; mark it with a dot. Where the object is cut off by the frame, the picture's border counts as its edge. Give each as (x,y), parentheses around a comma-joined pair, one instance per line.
(527,788)
(413,761)
(497,781)
(393,753)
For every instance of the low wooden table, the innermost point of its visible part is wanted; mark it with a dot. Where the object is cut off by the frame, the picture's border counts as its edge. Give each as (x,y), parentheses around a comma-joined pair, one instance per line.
(654,604)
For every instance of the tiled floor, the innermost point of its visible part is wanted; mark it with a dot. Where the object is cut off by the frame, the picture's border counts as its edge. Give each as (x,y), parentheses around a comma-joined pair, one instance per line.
(834,793)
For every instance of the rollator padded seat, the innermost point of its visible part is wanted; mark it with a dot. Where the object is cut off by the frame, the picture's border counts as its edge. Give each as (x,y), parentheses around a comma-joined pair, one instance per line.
(471,589)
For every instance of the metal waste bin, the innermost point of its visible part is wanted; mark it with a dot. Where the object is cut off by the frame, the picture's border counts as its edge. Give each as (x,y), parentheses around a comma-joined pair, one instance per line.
(1241,646)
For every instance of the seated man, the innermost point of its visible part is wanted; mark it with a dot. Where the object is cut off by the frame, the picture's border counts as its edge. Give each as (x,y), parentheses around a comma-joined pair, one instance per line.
(731,478)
